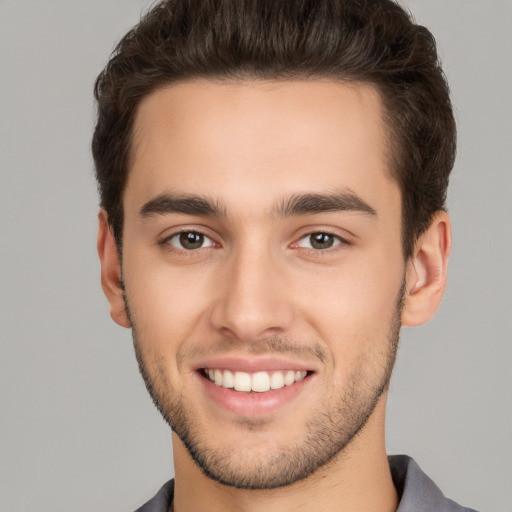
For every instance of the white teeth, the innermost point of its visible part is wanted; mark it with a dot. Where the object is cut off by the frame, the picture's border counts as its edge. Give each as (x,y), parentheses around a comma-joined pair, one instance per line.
(258,382)
(289,377)
(228,380)
(242,381)
(277,380)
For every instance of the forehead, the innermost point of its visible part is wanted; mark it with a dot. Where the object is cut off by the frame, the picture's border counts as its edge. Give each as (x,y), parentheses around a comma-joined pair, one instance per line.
(255,141)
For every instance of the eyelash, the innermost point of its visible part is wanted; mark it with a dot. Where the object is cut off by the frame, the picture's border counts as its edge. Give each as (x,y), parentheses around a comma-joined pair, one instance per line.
(165,242)
(341,242)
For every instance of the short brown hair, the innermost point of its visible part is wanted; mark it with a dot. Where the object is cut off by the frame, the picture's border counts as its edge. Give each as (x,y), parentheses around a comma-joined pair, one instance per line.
(371,41)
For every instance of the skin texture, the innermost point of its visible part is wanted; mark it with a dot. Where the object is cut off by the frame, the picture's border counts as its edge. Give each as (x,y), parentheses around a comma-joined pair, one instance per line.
(255,287)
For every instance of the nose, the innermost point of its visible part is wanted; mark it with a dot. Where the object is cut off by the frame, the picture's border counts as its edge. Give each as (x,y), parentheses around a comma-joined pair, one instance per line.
(254,300)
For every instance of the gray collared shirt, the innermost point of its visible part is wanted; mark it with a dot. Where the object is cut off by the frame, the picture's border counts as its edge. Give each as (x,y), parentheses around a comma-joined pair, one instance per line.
(418,493)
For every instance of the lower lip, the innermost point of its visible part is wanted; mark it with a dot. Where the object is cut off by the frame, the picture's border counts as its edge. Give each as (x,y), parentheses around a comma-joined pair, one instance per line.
(253,404)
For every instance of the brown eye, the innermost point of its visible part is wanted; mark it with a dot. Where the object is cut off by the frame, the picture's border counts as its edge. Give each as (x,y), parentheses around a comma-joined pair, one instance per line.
(319,241)
(189,240)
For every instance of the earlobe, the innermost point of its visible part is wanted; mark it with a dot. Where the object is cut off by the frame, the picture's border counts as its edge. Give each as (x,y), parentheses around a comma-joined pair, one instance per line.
(111,271)
(427,272)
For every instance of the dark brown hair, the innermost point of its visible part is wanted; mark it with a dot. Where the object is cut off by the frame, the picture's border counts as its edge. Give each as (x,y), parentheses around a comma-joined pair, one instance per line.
(371,41)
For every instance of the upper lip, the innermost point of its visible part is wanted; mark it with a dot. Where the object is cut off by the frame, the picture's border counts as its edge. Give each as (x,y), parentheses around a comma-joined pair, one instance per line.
(253,364)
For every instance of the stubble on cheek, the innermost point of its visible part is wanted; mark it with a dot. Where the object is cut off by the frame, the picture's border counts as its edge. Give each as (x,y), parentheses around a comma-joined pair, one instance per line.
(326,431)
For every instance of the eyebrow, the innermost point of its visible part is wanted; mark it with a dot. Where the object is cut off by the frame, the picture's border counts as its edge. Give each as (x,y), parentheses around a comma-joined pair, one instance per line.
(301,204)
(187,205)
(305,204)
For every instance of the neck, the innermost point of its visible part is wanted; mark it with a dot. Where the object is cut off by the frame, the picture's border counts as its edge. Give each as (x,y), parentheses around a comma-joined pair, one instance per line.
(358,479)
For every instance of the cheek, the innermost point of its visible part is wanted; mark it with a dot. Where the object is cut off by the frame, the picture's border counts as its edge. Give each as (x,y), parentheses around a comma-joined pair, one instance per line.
(353,306)
(166,304)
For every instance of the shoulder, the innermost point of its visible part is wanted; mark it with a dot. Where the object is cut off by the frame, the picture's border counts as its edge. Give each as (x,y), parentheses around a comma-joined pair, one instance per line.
(162,500)
(418,493)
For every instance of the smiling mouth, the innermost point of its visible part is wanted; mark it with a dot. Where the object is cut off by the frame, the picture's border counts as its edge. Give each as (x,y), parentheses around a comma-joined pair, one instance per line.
(258,382)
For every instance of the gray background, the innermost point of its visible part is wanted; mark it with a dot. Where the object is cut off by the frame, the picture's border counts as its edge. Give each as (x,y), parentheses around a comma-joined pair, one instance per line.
(77,431)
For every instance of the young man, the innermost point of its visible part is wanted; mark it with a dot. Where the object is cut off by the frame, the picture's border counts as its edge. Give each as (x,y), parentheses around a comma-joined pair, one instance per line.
(273,178)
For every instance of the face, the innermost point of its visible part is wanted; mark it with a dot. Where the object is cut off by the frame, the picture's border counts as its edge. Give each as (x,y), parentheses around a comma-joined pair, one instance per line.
(263,270)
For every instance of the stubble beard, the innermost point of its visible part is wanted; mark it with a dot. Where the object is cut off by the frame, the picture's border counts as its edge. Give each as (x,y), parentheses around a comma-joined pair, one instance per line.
(329,431)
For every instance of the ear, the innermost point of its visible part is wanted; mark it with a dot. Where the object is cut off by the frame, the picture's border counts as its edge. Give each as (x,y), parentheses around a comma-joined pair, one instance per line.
(111,271)
(427,272)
